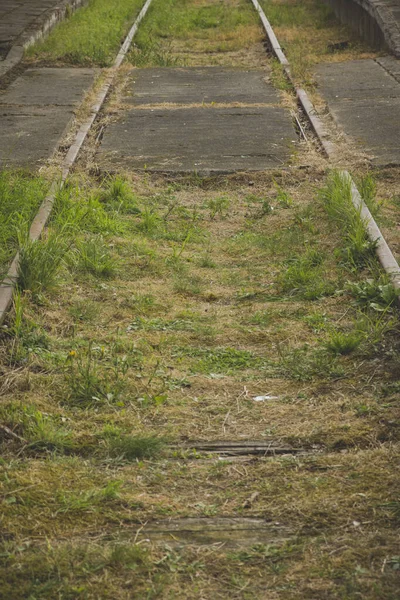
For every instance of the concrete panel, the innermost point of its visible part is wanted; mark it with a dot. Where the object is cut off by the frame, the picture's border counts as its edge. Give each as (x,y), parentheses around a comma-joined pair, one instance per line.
(30,136)
(199,139)
(43,87)
(364,99)
(197,85)
(35,111)
(356,80)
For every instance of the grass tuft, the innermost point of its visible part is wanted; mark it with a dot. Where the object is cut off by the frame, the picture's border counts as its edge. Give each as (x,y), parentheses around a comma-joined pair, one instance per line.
(40,262)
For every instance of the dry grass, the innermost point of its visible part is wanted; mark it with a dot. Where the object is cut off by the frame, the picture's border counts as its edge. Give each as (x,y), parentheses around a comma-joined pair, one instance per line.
(310,34)
(198,309)
(208,32)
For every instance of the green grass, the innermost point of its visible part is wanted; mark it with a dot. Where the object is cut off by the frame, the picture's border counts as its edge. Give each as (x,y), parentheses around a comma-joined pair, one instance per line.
(91,36)
(174,29)
(95,375)
(94,256)
(305,276)
(103,373)
(357,249)
(20,197)
(40,262)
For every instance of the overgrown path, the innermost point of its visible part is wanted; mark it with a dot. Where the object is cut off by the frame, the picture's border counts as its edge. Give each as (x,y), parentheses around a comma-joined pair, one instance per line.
(200,375)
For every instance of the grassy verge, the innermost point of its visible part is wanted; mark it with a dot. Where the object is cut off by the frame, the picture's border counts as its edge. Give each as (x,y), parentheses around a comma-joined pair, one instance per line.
(173,307)
(91,36)
(20,197)
(181,32)
(310,34)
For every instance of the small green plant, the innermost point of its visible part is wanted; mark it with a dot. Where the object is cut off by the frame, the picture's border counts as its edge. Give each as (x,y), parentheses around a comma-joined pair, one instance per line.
(358,250)
(307,363)
(206,261)
(283,197)
(95,376)
(87,500)
(130,447)
(78,210)
(84,310)
(187,284)
(40,262)
(218,206)
(149,221)
(93,256)
(375,328)
(20,197)
(343,343)
(378,294)
(305,277)
(44,433)
(118,196)
(153,53)
(367,187)
(261,318)
(25,335)
(225,360)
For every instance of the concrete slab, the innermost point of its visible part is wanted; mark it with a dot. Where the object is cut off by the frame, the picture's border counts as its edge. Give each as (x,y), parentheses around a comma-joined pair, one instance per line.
(356,80)
(35,111)
(391,65)
(197,85)
(187,137)
(364,99)
(199,139)
(30,136)
(44,87)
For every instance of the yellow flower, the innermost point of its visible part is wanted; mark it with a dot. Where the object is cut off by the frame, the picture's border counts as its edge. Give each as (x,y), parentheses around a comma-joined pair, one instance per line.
(72,353)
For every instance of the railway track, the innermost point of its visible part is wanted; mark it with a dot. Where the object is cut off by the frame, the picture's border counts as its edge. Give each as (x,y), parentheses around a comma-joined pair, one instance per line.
(211,395)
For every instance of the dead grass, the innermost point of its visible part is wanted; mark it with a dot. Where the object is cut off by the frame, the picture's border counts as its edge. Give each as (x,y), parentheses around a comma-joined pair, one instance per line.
(197,313)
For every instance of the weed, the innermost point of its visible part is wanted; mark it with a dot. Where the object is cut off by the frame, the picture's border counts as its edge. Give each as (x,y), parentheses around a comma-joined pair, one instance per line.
(225,360)
(149,221)
(88,500)
(84,310)
(283,198)
(153,53)
(24,333)
(40,262)
(375,329)
(95,376)
(378,294)
(358,249)
(118,196)
(340,342)
(367,187)
(307,363)
(77,210)
(44,433)
(176,30)
(261,318)
(305,277)
(206,262)
(187,284)
(20,197)
(142,303)
(218,206)
(93,256)
(130,447)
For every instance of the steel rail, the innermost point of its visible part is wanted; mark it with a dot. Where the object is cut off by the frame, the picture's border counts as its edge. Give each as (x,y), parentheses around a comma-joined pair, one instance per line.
(8,284)
(383,251)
